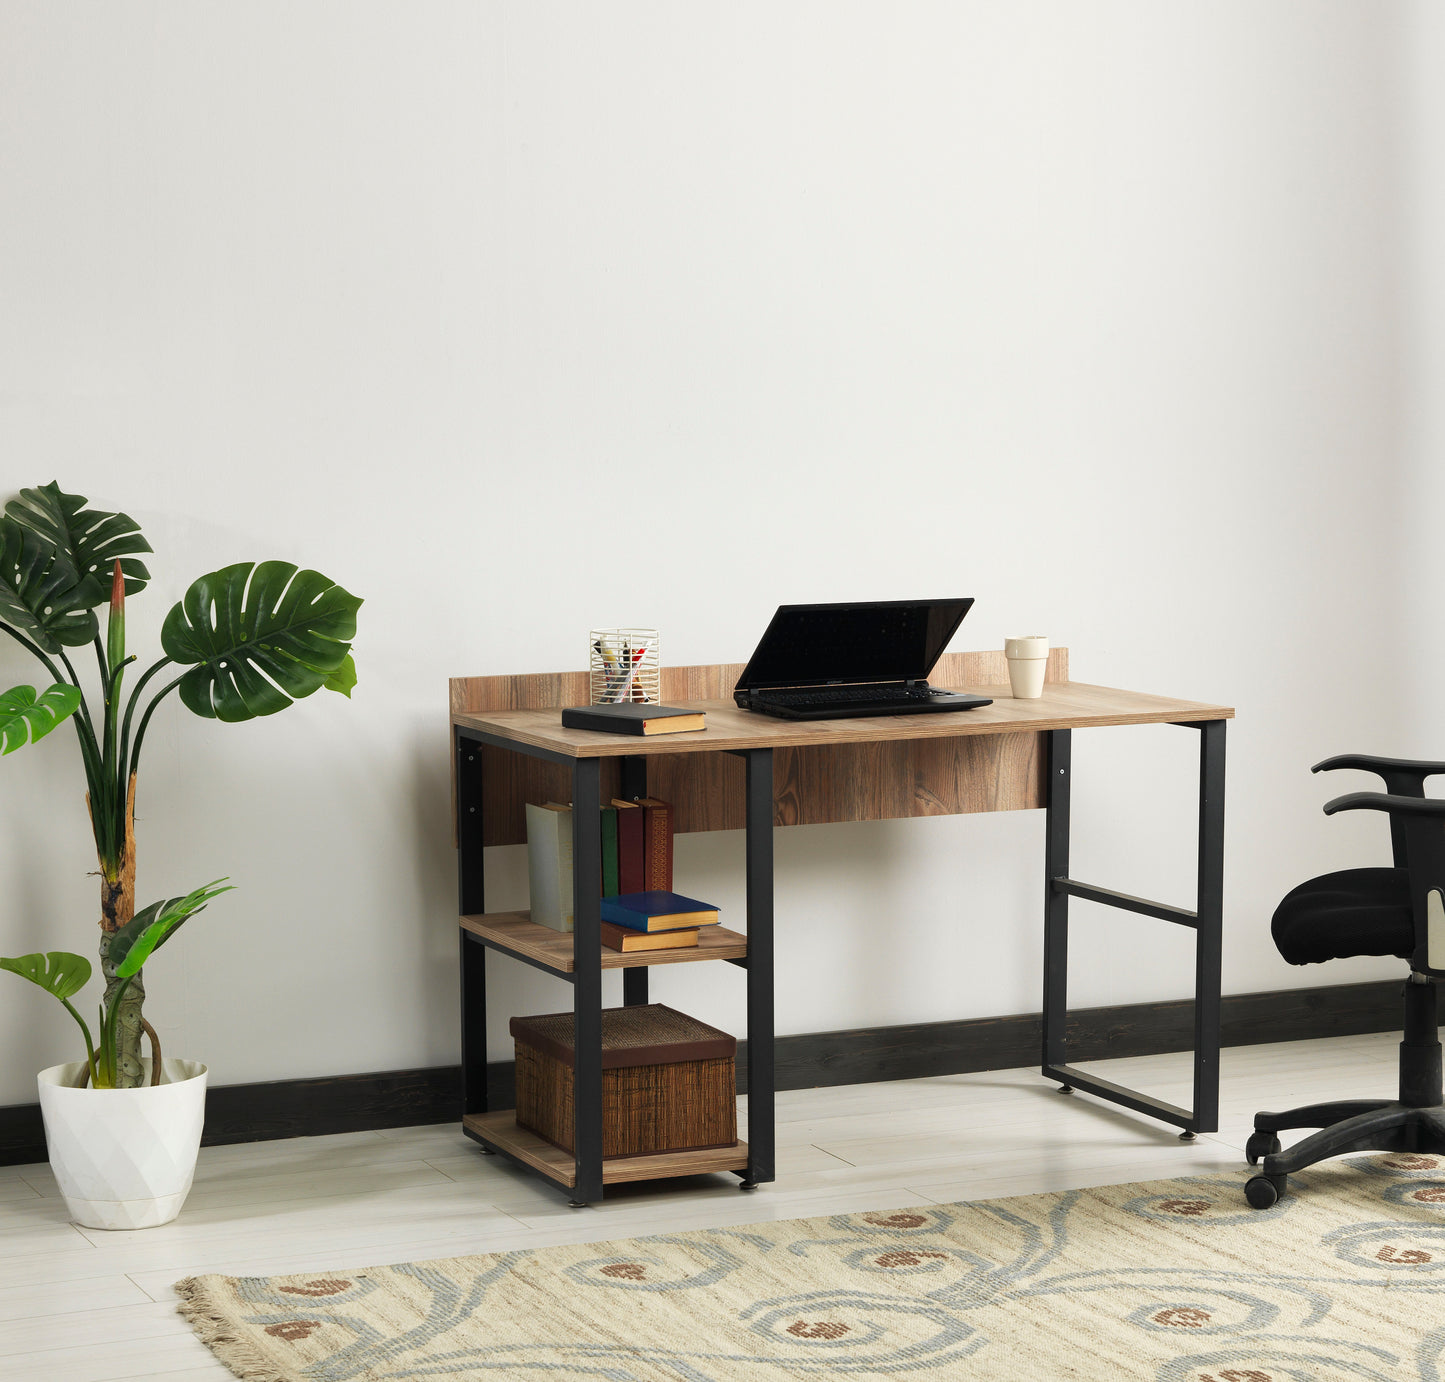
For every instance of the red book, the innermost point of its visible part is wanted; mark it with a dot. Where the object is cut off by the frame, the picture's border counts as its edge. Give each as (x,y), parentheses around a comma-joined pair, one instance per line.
(657,845)
(631,859)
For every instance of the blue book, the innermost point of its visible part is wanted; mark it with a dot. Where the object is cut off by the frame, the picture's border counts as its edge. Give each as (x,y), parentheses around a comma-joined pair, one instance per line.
(656,911)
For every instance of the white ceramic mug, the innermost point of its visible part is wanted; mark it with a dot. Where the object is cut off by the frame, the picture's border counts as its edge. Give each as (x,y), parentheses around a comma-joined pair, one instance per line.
(1027,659)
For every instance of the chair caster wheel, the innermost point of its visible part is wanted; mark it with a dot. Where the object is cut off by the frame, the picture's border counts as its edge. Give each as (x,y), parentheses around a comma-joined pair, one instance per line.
(1186,1136)
(1259,1146)
(1066,1089)
(1263,1191)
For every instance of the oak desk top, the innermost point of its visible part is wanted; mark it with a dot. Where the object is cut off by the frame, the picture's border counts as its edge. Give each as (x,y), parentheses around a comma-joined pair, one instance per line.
(1063,705)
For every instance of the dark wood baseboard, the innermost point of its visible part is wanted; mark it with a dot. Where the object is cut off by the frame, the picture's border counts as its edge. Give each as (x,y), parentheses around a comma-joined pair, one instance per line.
(402,1098)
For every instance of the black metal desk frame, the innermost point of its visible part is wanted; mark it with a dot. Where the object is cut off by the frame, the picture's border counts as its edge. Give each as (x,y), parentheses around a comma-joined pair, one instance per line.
(586,977)
(1207,922)
(586,973)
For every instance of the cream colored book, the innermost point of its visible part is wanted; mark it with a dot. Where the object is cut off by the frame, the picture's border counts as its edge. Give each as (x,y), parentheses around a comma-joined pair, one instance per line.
(549,864)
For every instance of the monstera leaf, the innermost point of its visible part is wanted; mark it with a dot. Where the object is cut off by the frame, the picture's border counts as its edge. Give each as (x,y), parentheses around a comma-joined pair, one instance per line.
(260,637)
(40,593)
(59,973)
(148,930)
(25,719)
(343,679)
(87,539)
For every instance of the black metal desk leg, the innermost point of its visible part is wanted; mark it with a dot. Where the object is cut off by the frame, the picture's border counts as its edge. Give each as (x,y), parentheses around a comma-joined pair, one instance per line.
(634,986)
(634,785)
(1210,926)
(1056,902)
(471,901)
(760,966)
(633,770)
(587,986)
(1206,921)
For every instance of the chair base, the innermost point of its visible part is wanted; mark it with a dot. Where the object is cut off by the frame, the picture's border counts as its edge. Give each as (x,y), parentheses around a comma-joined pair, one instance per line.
(1355,1125)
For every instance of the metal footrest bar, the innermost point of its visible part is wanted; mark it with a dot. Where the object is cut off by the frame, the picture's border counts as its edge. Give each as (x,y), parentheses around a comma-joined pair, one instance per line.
(1119,1094)
(1161,911)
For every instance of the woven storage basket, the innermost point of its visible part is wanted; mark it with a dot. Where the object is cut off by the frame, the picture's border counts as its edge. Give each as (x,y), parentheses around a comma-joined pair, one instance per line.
(669,1082)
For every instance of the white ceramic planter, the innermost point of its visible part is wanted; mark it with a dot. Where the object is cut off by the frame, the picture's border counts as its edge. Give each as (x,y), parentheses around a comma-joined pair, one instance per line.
(124,1158)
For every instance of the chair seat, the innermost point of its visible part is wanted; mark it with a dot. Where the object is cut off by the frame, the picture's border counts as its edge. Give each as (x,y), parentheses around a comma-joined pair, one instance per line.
(1353,912)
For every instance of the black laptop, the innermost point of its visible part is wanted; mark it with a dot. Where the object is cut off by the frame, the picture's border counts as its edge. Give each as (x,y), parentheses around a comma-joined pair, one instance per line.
(833,662)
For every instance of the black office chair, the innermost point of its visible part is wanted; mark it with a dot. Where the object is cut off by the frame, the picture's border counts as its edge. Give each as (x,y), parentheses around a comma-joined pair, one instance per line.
(1396,911)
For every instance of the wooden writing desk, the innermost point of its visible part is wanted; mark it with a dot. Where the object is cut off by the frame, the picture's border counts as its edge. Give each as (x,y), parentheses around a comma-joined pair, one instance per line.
(752,772)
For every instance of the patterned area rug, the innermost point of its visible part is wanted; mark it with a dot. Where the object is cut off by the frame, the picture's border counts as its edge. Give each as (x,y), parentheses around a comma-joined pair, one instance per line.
(1172,1281)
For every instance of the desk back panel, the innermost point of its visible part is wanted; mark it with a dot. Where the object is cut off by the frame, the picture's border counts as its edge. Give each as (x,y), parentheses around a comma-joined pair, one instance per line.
(834,782)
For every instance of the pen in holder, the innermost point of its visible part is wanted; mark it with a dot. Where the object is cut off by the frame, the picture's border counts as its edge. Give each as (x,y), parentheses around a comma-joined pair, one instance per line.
(623,665)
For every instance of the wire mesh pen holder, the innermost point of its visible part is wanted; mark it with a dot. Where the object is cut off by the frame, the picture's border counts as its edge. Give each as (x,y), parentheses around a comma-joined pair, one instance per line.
(623,665)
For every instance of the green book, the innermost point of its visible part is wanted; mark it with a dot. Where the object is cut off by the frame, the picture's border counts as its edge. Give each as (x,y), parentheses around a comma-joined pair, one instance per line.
(609,851)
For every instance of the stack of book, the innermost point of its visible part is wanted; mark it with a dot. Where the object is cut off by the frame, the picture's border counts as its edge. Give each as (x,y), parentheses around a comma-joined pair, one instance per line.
(654,920)
(636,855)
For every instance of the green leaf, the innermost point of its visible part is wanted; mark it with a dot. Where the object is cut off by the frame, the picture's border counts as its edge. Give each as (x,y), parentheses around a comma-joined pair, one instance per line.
(343,678)
(88,539)
(59,973)
(25,720)
(260,636)
(148,930)
(40,592)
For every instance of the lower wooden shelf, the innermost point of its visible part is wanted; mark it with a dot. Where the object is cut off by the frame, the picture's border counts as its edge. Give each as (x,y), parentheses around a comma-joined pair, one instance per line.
(500,1131)
(518,933)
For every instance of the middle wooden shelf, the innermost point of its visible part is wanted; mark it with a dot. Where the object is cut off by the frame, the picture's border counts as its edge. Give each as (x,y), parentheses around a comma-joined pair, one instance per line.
(517,934)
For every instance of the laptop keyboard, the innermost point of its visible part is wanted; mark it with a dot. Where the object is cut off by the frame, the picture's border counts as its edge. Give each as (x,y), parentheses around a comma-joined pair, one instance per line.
(848,695)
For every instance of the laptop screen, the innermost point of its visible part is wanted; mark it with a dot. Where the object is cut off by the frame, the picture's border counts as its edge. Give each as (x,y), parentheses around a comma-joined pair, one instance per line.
(881,640)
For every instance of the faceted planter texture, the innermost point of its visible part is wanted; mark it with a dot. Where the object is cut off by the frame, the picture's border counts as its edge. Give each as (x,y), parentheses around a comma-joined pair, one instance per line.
(124,1158)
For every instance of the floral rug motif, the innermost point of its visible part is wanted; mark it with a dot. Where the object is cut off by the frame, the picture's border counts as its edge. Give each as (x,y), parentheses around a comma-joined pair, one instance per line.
(1172,1281)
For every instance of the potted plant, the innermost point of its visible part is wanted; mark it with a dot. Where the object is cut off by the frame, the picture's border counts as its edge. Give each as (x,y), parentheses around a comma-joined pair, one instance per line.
(157,1126)
(245,641)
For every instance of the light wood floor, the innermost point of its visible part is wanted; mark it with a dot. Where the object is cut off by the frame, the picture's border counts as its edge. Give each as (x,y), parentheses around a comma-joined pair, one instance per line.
(79,1305)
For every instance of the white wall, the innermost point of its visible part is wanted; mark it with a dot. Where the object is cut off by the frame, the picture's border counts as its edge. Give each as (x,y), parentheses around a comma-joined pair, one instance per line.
(1422,175)
(519,318)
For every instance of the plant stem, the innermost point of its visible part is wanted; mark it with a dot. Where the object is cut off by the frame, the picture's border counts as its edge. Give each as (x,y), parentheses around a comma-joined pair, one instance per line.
(101,815)
(39,652)
(120,1030)
(115,779)
(130,711)
(146,719)
(89,1045)
(112,1018)
(84,718)
(113,680)
(117,907)
(120,783)
(100,660)
(107,1054)
(75,682)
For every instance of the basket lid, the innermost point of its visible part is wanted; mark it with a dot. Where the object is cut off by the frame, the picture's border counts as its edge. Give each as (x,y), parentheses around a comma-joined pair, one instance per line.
(645,1034)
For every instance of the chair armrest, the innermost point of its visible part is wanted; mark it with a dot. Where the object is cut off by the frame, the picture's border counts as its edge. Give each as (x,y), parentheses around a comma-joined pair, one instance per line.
(1400,774)
(1381,801)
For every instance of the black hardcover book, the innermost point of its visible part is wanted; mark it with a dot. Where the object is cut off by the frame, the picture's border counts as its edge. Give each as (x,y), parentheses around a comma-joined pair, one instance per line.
(633,717)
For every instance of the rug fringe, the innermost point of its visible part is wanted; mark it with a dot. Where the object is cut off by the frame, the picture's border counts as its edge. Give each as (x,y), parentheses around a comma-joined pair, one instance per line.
(215,1332)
